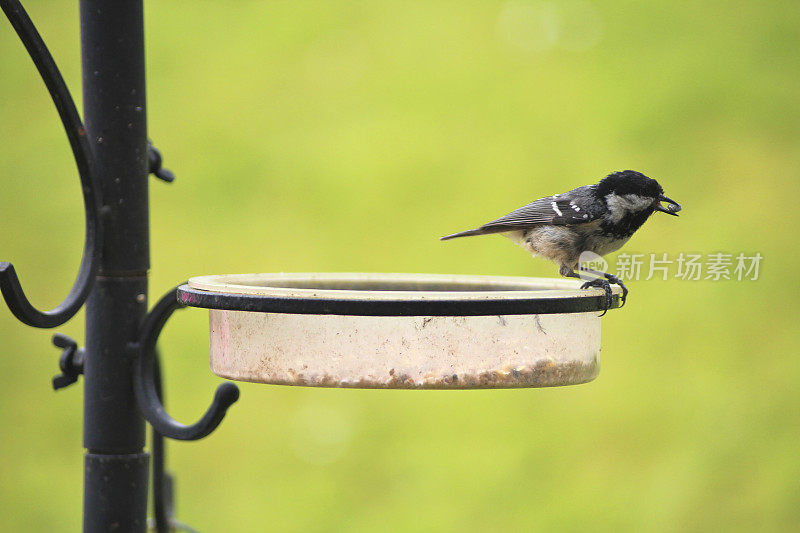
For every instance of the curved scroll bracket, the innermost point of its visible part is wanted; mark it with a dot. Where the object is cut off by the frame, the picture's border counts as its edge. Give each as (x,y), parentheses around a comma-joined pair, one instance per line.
(145,381)
(10,286)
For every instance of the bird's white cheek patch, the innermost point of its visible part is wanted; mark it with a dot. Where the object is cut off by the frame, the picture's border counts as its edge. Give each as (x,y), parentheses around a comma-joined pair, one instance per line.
(620,205)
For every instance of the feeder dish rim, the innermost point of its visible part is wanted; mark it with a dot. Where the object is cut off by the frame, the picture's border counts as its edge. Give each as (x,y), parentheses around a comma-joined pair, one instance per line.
(378,294)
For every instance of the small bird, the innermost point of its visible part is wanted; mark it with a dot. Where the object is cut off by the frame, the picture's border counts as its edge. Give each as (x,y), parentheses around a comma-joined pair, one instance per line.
(596,218)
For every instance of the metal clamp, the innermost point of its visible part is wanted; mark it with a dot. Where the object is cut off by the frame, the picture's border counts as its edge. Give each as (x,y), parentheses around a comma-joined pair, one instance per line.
(70,362)
(154,160)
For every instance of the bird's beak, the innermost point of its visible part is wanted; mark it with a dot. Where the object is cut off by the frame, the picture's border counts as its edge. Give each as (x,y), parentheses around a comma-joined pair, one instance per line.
(671,209)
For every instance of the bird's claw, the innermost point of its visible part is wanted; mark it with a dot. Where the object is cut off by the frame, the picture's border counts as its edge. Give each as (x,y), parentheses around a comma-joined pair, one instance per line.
(602,284)
(605,284)
(616,281)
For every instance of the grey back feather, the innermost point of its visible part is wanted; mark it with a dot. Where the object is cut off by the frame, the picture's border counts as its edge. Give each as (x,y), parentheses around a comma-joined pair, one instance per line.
(577,206)
(574,207)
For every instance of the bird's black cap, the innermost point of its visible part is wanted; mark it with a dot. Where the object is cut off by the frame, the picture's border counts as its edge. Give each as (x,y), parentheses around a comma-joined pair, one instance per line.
(629,182)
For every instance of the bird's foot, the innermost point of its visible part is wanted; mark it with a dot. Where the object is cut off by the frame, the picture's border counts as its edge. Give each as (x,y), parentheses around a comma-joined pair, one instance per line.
(616,281)
(602,284)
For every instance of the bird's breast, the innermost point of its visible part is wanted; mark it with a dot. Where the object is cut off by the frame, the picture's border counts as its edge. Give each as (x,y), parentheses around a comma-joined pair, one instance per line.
(560,244)
(603,244)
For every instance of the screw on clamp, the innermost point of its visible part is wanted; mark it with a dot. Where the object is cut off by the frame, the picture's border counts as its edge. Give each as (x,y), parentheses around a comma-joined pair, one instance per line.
(70,363)
(155,160)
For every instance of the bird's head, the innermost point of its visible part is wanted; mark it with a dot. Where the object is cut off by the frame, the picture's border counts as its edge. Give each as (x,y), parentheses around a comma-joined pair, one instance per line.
(629,192)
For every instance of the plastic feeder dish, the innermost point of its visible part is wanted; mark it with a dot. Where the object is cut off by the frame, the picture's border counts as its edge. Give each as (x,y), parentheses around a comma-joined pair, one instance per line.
(404,331)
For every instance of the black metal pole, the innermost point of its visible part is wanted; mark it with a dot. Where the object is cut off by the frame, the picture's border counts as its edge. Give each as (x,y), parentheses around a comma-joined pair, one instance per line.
(116,467)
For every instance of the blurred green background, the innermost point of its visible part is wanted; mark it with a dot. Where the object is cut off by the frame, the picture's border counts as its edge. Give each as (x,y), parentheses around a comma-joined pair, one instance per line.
(347,136)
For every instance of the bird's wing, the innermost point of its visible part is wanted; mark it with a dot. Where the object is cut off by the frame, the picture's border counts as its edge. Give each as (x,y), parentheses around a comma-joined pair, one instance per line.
(574,207)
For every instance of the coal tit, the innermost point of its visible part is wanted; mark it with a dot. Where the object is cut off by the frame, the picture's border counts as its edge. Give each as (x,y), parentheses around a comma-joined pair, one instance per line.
(596,218)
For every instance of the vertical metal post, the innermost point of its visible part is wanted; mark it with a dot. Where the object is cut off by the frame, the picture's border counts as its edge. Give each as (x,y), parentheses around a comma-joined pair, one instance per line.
(116,469)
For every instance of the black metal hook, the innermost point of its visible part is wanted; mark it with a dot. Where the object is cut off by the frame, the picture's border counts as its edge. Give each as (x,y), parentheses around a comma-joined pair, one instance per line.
(144,383)
(10,286)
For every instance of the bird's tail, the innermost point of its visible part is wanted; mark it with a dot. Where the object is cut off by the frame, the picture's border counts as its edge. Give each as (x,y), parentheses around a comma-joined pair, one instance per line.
(468,233)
